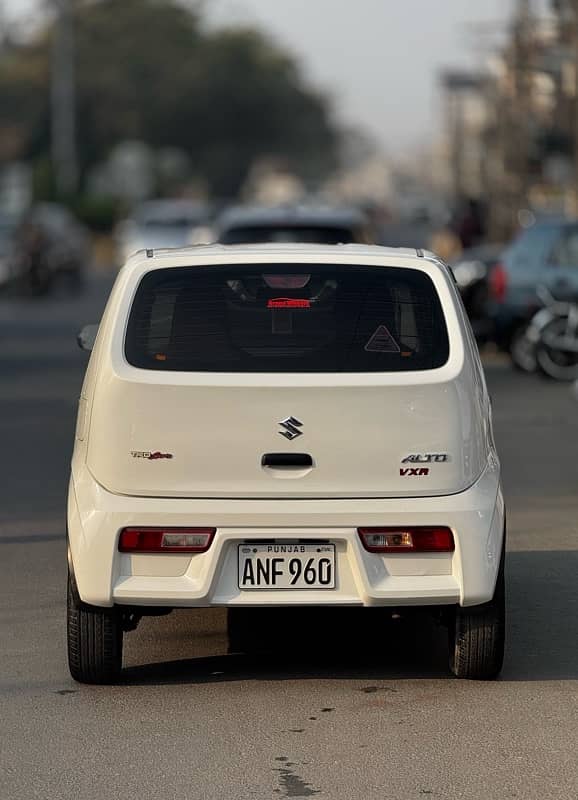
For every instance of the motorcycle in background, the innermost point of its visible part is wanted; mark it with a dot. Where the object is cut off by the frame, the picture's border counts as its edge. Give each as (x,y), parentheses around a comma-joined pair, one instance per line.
(550,342)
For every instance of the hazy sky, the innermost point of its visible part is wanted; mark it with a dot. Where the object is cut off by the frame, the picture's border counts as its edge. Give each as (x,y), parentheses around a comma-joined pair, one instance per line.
(379,59)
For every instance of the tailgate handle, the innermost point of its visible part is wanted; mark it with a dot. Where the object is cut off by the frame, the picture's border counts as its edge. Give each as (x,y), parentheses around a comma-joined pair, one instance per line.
(287,461)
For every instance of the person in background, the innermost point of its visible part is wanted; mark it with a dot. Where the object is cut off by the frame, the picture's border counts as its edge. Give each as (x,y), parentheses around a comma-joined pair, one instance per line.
(31,255)
(469,223)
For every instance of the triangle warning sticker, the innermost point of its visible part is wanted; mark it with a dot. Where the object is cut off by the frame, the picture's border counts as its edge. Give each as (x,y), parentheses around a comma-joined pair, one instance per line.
(382,342)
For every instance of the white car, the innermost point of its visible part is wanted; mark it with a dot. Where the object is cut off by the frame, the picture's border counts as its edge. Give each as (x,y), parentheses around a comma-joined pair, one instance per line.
(163,223)
(284,425)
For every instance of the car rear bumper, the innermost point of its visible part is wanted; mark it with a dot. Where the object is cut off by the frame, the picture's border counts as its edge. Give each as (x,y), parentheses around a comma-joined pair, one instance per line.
(106,577)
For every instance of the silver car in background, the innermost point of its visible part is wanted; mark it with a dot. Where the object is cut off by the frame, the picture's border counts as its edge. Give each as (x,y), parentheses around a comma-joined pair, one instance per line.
(293,223)
(157,224)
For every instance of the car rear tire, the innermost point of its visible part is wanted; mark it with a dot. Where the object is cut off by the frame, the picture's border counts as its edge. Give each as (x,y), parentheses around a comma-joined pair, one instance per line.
(477,636)
(560,365)
(94,640)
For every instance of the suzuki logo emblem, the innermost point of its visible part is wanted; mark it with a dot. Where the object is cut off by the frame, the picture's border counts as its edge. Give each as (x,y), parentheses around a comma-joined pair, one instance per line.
(291,426)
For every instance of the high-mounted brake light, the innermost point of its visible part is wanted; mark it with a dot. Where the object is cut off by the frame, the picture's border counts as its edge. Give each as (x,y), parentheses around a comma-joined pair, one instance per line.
(165,540)
(288,302)
(407,540)
(498,283)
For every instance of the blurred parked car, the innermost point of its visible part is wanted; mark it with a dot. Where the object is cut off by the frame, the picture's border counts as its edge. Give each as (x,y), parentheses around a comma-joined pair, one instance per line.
(305,224)
(50,243)
(163,223)
(472,272)
(544,255)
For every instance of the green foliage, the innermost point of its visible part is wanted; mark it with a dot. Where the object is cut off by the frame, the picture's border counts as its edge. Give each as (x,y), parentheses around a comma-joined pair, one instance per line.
(24,100)
(44,185)
(98,213)
(147,69)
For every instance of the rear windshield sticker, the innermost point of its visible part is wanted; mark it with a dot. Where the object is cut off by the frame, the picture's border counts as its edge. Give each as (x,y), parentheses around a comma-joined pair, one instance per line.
(382,342)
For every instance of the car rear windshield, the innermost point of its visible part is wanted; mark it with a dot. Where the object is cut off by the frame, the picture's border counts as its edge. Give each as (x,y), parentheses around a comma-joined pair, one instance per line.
(287,318)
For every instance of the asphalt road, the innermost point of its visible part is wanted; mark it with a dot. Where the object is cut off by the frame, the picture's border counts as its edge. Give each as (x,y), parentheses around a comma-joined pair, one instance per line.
(370,713)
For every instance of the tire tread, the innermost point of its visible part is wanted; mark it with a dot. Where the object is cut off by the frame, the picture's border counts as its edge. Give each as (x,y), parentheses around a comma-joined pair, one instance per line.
(94,640)
(478,638)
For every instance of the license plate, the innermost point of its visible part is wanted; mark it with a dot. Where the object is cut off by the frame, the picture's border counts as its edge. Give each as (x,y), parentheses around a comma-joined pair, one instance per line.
(286,566)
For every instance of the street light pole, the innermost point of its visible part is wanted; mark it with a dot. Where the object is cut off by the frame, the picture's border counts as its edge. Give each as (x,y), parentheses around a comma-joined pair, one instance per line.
(4,33)
(63,100)
(520,144)
(574,4)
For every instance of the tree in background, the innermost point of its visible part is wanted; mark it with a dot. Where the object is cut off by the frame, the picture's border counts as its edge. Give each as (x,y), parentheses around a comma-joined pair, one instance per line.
(149,70)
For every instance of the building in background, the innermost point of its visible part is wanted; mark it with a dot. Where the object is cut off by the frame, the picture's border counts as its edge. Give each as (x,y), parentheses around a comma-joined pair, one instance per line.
(511,131)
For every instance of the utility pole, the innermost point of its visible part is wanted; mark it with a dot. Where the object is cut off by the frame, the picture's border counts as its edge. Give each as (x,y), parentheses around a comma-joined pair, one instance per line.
(520,143)
(4,37)
(458,87)
(574,4)
(63,100)
(454,115)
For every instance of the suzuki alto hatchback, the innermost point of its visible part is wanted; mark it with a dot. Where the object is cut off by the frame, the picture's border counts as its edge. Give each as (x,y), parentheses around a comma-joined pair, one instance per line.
(284,425)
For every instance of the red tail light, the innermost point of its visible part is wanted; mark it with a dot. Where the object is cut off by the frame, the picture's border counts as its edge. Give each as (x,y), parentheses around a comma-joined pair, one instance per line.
(407,540)
(498,283)
(165,540)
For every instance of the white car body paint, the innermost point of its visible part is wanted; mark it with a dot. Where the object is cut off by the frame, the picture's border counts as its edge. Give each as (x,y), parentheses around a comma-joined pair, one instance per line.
(359,428)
